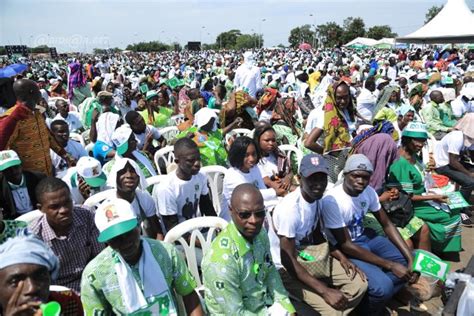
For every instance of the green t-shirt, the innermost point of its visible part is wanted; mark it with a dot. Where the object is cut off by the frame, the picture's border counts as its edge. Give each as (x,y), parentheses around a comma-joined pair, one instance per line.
(241,278)
(160,119)
(100,291)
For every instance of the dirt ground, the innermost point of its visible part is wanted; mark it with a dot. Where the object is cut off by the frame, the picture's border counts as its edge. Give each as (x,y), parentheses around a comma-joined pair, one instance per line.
(435,306)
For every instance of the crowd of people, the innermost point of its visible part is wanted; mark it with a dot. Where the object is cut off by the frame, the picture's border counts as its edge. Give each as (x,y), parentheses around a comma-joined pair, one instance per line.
(378,141)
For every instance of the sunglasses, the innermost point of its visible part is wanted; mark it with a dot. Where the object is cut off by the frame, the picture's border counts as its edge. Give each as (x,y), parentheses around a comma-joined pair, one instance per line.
(247,214)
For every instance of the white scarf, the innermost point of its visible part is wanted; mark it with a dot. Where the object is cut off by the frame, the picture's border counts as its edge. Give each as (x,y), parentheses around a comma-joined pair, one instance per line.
(106,126)
(154,282)
(144,161)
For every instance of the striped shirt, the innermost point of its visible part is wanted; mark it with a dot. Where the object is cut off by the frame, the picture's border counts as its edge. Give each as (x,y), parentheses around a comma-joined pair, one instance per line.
(75,250)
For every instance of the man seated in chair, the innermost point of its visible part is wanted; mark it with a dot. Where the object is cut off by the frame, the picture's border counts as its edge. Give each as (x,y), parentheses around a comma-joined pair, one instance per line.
(68,230)
(17,186)
(27,269)
(386,261)
(333,290)
(134,274)
(238,271)
(183,190)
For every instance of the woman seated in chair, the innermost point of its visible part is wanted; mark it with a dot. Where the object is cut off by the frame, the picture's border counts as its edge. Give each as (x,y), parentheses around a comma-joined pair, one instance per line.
(273,165)
(409,173)
(208,137)
(130,185)
(243,158)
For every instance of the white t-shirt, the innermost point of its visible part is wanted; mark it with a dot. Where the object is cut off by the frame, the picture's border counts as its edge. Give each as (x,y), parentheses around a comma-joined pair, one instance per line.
(180,197)
(459,106)
(73,120)
(233,177)
(339,209)
(144,200)
(141,137)
(366,102)
(452,143)
(268,165)
(294,218)
(73,148)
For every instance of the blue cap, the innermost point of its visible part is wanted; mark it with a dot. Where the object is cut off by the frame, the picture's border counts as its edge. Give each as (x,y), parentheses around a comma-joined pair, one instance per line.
(313,163)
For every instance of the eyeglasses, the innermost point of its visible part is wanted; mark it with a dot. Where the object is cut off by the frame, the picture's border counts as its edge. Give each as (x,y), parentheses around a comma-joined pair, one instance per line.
(248,214)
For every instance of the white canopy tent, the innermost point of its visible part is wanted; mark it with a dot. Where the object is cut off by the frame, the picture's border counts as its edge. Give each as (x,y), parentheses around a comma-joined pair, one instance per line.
(453,24)
(362,41)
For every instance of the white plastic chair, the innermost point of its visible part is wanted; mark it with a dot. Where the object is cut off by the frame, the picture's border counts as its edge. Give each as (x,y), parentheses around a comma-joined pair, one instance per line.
(166,154)
(215,177)
(193,226)
(169,132)
(78,138)
(290,150)
(236,132)
(29,217)
(154,180)
(97,198)
(177,119)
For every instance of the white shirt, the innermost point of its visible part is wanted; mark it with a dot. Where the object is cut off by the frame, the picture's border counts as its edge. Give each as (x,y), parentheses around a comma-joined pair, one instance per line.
(73,148)
(342,210)
(268,166)
(265,116)
(233,177)
(144,201)
(294,218)
(452,143)
(179,197)
(366,102)
(249,78)
(460,107)
(141,137)
(73,120)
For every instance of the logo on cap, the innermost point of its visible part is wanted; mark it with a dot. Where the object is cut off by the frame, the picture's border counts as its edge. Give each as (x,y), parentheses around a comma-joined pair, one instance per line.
(111,213)
(6,155)
(315,161)
(95,171)
(362,166)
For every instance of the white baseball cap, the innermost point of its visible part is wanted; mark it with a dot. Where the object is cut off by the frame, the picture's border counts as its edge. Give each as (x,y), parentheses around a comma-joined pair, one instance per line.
(114,217)
(120,138)
(8,158)
(90,169)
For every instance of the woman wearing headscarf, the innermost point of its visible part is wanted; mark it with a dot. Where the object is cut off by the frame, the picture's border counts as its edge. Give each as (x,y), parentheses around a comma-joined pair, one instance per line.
(284,122)
(239,105)
(56,89)
(334,128)
(388,104)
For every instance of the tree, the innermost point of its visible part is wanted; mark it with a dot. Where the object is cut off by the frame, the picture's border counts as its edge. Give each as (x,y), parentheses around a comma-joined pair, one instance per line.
(246,41)
(154,46)
(228,39)
(301,34)
(380,31)
(432,12)
(330,33)
(353,28)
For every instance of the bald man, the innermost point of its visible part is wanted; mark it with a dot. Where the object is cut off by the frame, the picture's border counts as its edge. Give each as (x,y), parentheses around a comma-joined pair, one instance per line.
(433,115)
(23,129)
(238,273)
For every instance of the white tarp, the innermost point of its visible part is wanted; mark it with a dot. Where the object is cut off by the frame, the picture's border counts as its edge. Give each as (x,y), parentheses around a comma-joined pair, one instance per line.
(362,41)
(453,24)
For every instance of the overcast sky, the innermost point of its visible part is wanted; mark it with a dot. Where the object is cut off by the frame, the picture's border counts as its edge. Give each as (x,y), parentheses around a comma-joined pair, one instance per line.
(81,25)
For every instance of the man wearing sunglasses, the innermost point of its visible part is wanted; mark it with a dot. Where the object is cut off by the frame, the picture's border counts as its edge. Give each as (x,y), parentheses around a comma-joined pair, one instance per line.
(238,273)
(296,231)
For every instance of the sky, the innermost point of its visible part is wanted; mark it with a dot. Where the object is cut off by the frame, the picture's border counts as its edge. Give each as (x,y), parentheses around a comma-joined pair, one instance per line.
(81,25)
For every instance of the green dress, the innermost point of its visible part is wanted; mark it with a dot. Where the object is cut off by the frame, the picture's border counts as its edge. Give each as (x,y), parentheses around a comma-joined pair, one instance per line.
(445,228)
(211,148)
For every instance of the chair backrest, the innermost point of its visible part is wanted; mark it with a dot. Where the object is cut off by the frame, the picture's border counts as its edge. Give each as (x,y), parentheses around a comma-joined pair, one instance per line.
(30,216)
(177,119)
(290,150)
(193,226)
(78,138)
(236,132)
(154,180)
(169,132)
(97,198)
(166,154)
(215,177)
